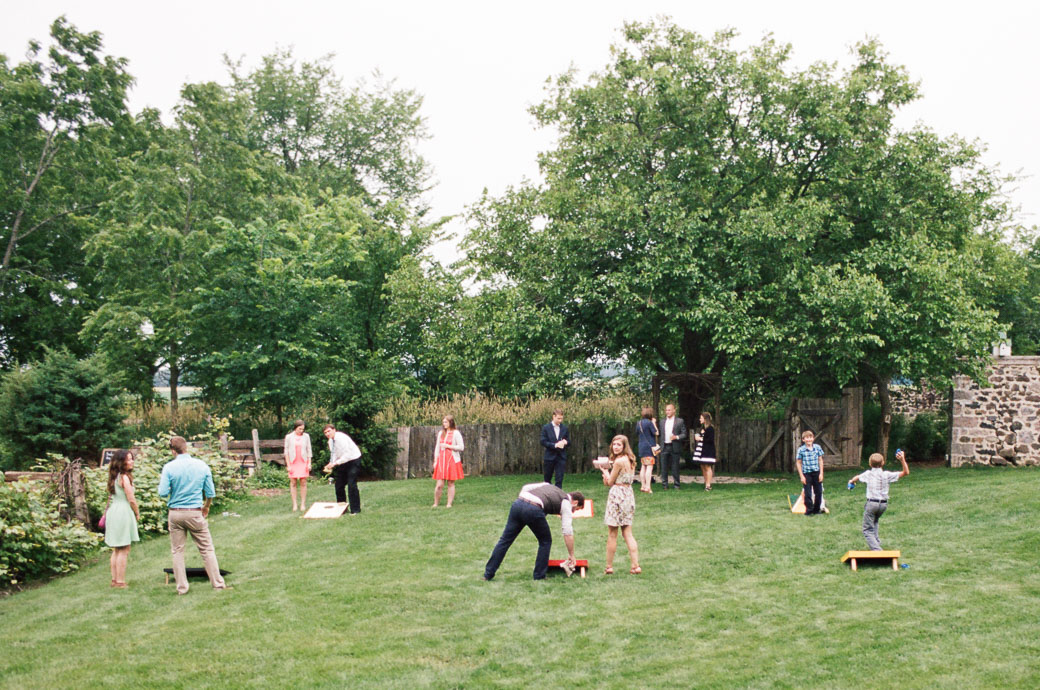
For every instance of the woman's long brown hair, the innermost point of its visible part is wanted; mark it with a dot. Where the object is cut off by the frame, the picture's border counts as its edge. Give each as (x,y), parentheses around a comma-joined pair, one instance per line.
(117,467)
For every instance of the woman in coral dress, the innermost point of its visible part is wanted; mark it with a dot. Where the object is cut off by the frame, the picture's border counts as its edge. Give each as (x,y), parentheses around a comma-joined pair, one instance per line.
(621,502)
(298,462)
(447,460)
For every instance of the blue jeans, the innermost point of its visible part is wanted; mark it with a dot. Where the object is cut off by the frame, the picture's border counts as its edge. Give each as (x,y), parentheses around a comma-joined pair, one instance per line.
(522,514)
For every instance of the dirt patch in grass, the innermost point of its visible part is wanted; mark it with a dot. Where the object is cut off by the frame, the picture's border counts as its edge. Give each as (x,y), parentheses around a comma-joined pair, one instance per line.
(267,492)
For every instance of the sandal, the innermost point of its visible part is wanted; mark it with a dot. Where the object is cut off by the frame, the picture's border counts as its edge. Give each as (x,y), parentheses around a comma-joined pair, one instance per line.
(636,570)
(608,571)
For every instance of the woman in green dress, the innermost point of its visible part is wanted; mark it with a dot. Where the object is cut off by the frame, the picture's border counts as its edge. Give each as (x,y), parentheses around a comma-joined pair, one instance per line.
(122,514)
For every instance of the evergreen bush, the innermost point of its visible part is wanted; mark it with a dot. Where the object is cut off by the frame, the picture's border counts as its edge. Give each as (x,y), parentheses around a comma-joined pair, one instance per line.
(58,405)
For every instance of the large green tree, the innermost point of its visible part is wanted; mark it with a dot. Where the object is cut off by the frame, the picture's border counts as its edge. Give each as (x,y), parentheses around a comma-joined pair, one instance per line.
(713,210)
(61,115)
(359,141)
(159,224)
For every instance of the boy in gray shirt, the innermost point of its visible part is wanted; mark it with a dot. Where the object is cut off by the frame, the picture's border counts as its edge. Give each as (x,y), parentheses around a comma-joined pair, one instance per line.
(877,481)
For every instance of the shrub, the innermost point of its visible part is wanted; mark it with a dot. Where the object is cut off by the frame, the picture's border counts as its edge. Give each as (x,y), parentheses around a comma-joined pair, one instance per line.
(35,540)
(923,438)
(58,405)
(148,463)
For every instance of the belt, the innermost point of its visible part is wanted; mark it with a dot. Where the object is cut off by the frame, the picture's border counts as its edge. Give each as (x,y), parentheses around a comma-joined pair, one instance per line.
(173,510)
(877,500)
(529,501)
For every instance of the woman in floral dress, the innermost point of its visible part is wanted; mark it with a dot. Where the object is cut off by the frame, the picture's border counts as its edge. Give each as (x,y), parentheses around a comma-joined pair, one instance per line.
(621,502)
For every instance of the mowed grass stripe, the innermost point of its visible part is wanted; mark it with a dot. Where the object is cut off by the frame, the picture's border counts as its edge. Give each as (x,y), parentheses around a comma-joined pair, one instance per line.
(736,592)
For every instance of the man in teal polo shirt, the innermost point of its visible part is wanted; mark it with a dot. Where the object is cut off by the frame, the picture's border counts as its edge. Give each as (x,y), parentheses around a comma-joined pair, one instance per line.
(187,484)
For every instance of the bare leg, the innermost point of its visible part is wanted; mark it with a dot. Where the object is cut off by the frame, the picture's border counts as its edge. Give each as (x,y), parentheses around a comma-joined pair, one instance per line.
(708,471)
(292,490)
(303,493)
(113,564)
(611,546)
(438,487)
(451,492)
(122,553)
(633,547)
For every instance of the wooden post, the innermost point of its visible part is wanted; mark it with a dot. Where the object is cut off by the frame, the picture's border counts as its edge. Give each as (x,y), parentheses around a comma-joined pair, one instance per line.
(256,449)
(78,495)
(793,426)
(223,444)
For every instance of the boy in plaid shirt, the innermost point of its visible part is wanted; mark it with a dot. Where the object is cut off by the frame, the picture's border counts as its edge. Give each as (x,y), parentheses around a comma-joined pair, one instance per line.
(877,481)
(810,471)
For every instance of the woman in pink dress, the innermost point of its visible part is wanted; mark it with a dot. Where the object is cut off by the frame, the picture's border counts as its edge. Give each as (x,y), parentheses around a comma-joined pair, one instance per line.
(298,462)
(447,460)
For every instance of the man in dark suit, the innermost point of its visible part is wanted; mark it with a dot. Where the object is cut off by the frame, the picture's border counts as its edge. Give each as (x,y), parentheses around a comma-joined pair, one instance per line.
(555,440)
(673,431)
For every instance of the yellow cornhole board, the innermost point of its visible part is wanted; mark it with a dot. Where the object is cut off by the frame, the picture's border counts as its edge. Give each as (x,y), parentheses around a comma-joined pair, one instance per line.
(325,510)
(853,556)
(797,504)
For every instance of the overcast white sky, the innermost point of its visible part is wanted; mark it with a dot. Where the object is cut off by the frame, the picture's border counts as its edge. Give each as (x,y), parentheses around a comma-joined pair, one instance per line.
(479,65)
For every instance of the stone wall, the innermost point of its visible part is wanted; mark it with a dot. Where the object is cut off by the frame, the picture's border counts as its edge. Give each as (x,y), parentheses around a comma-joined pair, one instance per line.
(998,425)
(910,401)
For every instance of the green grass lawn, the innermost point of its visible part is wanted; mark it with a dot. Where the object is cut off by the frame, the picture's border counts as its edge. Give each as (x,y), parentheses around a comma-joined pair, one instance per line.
(735,592)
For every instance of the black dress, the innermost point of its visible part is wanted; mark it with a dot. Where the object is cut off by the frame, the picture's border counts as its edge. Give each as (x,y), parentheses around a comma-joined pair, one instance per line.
(704,453)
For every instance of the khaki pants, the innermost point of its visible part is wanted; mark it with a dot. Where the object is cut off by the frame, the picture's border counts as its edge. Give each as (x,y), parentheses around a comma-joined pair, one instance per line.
(180,523)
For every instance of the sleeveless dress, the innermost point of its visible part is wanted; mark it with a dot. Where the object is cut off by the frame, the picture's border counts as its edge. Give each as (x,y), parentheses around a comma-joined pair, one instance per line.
(298,467)
(446,468)
(621,502)
(704,453)
(120,521)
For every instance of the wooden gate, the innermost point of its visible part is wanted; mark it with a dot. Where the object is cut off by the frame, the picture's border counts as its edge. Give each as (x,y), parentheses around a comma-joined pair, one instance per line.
(837,425)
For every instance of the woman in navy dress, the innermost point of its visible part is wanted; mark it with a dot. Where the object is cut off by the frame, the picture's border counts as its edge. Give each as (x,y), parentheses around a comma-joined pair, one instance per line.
(647,430)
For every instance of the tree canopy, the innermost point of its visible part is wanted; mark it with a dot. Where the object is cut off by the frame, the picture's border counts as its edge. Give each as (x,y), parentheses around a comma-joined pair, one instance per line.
(707,208)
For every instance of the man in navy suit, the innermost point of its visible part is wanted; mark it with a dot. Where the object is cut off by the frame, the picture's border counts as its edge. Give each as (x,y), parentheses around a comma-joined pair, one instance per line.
(555,440)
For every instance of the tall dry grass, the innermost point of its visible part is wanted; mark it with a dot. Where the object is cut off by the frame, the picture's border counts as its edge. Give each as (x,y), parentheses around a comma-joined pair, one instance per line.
(193,418)
(477,408)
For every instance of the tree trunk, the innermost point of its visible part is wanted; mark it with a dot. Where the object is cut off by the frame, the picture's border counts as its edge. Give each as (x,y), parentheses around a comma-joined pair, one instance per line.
(886,415)
(175,375)
(690,408)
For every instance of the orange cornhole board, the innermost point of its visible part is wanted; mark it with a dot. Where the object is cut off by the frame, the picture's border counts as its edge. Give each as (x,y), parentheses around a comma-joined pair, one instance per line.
(579,563)
(856,557)
(325,510)
(586,511)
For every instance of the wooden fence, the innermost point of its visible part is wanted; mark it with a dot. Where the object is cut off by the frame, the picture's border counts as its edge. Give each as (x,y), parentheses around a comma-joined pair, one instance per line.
(493,449)
(744,445)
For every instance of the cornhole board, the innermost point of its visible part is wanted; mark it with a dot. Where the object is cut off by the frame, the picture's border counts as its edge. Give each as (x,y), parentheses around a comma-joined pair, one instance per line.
(580,564)
(856,557)
(325,510)
(194,573)
(797,504)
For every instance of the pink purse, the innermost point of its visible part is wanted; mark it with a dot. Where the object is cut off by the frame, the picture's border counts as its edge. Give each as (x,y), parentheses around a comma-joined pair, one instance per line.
(101,522)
